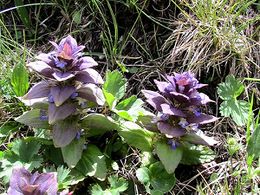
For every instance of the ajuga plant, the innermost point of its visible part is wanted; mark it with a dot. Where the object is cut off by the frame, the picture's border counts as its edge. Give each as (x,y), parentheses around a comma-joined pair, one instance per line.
(65,106)
(178,104)
(69,81)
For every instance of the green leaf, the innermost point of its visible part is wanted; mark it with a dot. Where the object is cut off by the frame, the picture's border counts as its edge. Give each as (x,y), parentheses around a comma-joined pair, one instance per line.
(232,146)
(143,175)
(194,155)
(253,147)
(97,190)
(127,104)
(198,138)
(73,152)
(237,109)
(23,13)
(124,114)
(63,177)
(170,158)
(160,179)
(98,124)
(156,192)
(92,163)
(129,108)
(118,184)
(53,154)
(137,137)
(114,87)
(8,128)
(230,89)
(25,150)
(20,153)
(20,79)
(32,118)
(77,17)
(146,122)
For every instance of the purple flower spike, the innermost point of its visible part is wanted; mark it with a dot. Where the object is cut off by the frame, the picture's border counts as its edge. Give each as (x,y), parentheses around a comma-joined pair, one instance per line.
(23,182)
(178,104)
(70,80)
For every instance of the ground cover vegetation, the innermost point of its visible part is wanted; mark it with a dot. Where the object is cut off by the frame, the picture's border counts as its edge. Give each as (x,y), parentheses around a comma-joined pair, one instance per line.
(129,97)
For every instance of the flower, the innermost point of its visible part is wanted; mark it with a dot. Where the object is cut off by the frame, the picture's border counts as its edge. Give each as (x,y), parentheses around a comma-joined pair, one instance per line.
(67,62)
(69,80)
(23,182)
(180,101)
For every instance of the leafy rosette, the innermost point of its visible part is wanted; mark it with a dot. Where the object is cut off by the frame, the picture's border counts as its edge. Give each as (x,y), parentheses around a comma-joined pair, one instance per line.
(69,82)
(25,183)
(179,108)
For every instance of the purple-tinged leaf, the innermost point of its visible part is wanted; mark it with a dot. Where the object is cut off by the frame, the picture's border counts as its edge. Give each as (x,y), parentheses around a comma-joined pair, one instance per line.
(198,86)
(205,99)
(154,99)
(33,118)
(22,182)
(147,122)
(35,103)
(42,68)
(46,58)
(172,80)
(59,113)
(92,93)
(179,97)
(202,119)
(169,130)
(39,90)
(200,99)
(87,62)
(162,86)
(168,109)
(89,75)
(199,138)
(60,94)
(64,132)
(47,183)
(62,76)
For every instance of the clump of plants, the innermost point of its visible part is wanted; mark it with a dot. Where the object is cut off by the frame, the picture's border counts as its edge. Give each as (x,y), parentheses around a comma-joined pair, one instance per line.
(71,114)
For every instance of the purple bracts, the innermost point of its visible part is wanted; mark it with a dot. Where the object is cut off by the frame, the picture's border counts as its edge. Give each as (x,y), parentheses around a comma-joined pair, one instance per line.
(178,104)
(23,182)
(69,80)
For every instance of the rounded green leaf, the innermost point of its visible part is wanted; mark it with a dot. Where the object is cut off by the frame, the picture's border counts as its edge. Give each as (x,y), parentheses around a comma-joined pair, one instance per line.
(160,179)
(98,124)
(143,175)
(170,158)
(137,137)
(194,155)
(92,163)
(72,153)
